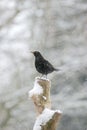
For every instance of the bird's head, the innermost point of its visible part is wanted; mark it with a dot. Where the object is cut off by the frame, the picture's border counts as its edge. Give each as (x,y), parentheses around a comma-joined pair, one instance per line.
(36,53)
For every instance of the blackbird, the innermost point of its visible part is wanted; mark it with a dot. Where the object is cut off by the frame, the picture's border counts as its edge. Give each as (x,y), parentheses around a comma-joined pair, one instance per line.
(42,65)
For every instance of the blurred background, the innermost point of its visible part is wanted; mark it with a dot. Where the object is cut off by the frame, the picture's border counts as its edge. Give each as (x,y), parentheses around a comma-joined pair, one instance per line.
(58,29)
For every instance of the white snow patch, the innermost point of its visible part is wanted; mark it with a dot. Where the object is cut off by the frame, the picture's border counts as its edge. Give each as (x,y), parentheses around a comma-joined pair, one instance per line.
(36,90)
(44,118)
(44,98)
(43,78)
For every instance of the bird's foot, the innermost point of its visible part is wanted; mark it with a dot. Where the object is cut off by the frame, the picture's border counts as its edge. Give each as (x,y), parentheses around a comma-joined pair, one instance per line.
(43,76)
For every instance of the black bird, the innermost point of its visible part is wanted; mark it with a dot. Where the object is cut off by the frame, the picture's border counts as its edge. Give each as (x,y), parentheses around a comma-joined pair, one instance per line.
(42,65)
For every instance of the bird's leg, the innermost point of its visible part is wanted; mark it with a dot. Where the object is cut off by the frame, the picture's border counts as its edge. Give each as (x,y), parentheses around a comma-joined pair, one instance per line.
(46,76)
(41,76)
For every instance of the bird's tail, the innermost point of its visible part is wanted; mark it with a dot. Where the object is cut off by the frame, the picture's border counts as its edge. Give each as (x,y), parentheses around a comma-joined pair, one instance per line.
(56,69)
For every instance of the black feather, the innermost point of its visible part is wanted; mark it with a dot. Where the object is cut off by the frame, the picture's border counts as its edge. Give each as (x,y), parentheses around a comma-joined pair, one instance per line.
(43,66)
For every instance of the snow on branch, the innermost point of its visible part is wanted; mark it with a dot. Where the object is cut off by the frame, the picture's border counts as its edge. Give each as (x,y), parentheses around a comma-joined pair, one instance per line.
(37,90)
(46,119)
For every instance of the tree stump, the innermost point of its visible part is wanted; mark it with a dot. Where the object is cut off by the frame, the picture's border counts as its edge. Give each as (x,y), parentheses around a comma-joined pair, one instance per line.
(47,119)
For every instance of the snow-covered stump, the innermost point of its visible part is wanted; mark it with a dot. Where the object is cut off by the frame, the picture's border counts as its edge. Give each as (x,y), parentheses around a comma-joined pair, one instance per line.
(40,94)
(47,119)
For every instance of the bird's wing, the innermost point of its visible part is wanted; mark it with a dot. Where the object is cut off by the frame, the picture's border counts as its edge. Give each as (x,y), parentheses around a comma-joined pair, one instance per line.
(40,65)
(44,65)
(48,64)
